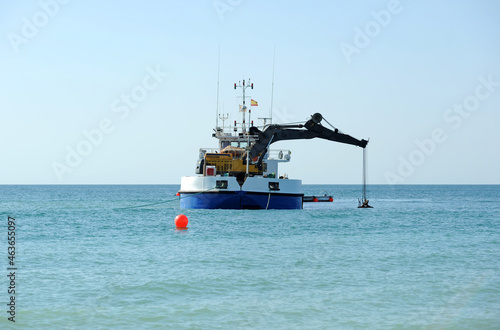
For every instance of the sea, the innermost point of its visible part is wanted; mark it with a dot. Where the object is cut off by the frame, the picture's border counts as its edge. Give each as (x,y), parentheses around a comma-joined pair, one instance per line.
(110,257)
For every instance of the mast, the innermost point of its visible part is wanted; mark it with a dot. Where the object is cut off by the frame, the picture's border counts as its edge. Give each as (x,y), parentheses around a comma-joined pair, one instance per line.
(243,128)
(218,79)
(243,108)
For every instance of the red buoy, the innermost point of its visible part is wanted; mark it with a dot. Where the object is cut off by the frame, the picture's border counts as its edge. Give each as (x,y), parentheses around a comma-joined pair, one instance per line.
(331,199)
(178,194)
(315,200)
(181,221)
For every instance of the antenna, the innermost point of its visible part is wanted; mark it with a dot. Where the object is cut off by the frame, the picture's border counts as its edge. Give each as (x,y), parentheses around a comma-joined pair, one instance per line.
(223,118)
(272,91)
(217,110)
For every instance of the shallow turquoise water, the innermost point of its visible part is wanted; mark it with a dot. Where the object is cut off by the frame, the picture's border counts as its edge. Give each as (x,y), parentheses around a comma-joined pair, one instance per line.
(424,257)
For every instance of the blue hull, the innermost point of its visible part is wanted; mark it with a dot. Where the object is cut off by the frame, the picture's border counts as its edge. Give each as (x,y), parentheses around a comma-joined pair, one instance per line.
(240,200)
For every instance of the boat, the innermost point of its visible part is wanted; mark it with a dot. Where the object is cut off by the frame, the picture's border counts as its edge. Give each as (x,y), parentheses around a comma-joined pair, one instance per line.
(242,173)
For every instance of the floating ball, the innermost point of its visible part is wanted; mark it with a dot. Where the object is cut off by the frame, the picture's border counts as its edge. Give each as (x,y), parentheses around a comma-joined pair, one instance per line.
(315,200)
(330,199)
(178,194)
(181,221)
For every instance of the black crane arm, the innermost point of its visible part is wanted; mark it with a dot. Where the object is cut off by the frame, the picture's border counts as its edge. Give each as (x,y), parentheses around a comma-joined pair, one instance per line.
(314,129)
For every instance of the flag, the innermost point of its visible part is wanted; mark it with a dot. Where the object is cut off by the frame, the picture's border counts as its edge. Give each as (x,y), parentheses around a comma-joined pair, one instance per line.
(253,103)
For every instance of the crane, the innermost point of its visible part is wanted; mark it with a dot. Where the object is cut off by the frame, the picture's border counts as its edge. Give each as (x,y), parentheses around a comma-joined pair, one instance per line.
(313,129)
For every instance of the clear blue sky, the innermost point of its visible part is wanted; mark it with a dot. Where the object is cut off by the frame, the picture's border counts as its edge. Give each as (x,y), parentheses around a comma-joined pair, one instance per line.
(421,79)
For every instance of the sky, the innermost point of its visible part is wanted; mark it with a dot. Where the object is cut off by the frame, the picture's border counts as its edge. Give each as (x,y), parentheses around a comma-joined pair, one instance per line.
(125,92)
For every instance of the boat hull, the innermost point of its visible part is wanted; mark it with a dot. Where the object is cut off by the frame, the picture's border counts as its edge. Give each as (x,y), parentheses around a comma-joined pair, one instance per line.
(240,200)
(202,193)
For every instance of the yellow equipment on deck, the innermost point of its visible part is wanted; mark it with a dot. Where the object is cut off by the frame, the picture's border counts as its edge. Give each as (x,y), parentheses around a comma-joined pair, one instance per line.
(225,163)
